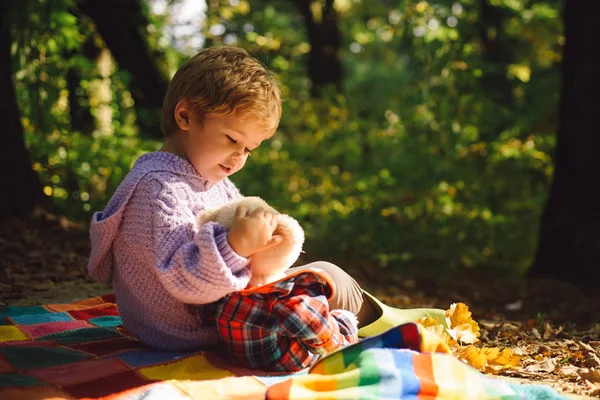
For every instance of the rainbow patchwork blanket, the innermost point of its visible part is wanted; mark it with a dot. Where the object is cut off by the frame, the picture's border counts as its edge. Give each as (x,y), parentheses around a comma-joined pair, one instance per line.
(81,350)
(384,367)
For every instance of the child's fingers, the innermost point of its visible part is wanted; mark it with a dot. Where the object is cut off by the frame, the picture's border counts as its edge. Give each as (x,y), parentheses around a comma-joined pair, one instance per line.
(270,217)
(240,212)
(274,241)
(273,223)
(259,212)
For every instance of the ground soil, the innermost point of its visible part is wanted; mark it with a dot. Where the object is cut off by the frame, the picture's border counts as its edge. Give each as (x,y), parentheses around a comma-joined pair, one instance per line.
(554,326)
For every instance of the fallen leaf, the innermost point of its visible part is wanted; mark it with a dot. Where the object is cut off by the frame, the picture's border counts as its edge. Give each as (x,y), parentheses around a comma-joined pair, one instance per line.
(591,375)
(578,356)
(559,330)
(548,331)
(461,326)
(428,322)
(571,344)
(591,360)
(520,350)
(569,370)
(490,360)
(433,325)
(544,350)
(472,356)
(507,359)
(585,346)
(548,365)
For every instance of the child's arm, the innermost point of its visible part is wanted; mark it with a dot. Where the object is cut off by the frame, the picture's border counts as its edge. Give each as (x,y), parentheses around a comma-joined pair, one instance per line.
(196,266)
(310,320)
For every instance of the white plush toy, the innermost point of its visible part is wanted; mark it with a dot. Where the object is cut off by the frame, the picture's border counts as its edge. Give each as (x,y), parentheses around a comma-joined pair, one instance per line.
(268,265)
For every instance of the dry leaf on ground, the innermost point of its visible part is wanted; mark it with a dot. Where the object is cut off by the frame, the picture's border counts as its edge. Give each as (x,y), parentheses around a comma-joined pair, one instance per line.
(547,365)
(461,326)
(463,329)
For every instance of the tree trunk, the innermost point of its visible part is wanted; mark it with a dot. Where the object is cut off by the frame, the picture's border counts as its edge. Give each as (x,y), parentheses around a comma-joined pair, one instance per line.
(82,119)
(22,189)
(325,39)
(569,246)
(498,50)
(123,26)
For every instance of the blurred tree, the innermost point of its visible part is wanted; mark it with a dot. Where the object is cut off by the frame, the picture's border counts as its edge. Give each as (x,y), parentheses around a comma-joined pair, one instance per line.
(22,185)
(325,39)
(569,245)
(80,114)
(123,24)
(498,49)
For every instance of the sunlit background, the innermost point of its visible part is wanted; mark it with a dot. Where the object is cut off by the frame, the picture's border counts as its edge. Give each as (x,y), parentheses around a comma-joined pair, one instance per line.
(427,142)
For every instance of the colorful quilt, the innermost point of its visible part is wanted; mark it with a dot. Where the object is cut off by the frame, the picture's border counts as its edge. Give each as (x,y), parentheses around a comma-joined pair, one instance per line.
(80,350)
(385,367)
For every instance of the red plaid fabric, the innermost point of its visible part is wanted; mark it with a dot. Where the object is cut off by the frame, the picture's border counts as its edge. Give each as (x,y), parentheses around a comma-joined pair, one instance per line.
(285,325)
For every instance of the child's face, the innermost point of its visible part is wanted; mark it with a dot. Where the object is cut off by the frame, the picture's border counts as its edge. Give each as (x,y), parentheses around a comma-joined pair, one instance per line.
(219,147)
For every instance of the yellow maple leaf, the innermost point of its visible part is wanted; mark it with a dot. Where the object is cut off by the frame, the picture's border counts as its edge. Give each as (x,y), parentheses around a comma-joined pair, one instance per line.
(490,360)
(434,326)
(428,321)
(506,359)
(490,353)
(472,356)
(463,329)
(461,326)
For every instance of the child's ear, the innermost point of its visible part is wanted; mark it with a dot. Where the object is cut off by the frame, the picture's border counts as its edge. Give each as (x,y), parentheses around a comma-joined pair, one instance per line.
(182,113)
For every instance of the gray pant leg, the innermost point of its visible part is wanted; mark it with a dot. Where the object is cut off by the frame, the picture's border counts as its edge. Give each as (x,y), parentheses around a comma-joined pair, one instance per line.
(348,294)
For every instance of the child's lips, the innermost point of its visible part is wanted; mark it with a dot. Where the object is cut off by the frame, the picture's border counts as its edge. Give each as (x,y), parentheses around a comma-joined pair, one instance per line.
(226,169)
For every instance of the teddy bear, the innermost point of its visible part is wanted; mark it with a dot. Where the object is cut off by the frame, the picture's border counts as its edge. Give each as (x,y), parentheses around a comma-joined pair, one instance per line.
(268,265)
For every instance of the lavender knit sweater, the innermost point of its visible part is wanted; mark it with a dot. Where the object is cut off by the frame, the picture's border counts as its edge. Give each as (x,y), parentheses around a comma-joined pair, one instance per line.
(162,265)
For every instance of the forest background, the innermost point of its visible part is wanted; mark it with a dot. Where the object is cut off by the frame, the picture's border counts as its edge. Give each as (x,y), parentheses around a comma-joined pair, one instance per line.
(415,134)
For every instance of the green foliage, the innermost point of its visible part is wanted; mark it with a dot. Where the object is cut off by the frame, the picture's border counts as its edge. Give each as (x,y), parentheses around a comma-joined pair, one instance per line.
(78,169)
(436,154)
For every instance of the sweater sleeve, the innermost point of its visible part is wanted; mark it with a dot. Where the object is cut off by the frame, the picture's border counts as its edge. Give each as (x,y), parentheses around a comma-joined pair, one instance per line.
(196,266)
(308,319)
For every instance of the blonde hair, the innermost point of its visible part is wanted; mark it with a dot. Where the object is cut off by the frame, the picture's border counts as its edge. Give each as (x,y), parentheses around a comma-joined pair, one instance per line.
(224,80)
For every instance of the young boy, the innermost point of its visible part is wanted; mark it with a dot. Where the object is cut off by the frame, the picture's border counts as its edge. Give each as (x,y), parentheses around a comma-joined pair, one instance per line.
(220,105)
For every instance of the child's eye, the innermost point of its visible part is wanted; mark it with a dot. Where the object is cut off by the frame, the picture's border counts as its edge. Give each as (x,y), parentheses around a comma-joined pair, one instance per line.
(232,140)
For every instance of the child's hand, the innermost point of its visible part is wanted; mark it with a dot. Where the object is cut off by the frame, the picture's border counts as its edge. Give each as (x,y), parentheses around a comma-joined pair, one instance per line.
(252,233)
